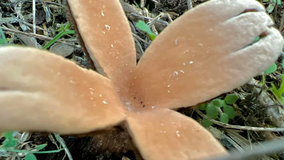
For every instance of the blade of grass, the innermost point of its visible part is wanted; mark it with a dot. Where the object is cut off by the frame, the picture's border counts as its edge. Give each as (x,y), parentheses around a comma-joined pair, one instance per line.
(58,36)
(2,37)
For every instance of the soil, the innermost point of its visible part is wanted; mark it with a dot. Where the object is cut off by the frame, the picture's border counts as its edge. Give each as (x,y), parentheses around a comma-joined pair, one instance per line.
(116,143)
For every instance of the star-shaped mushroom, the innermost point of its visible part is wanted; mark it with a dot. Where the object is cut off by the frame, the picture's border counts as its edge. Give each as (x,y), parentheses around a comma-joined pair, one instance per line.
(208,51)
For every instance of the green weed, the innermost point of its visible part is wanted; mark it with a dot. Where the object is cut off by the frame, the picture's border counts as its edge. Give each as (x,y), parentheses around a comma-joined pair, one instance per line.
(10,145)
(211,109)
(144,27)
(63,30)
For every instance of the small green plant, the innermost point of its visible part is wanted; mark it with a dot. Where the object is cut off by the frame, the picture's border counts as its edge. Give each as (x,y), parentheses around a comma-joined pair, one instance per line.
(272,4)
(10,145)
(271,69)
(277,92)
(3,40)
(63,30)
(225,113)
(144,27)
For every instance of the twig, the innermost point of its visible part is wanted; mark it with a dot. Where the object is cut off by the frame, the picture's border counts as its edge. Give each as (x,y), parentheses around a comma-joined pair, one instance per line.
(161,21)
(140,39)
(41,37)
(264,148)
(248,128)
(34,19)
(61,141)
(189,4)
(142,3)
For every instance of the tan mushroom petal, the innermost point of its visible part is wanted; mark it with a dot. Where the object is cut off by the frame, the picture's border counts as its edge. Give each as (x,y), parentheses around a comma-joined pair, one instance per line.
(107,37)
(225,9)
(167,135)
(242,30)
(201,60)
(40,91)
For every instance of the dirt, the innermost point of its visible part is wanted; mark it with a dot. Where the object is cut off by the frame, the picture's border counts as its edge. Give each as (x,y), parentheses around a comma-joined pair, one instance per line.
(116,143)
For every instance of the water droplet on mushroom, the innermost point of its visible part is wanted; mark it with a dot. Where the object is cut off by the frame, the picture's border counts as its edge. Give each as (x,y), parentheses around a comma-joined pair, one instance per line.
(104,32)
(102,13)
(153,107)
(186,51)
(91,98)
(107,27)
(91,89)
(183,64)
(169,91)
(200,44)
(92,92)
(126,64)
(177,132)
(181,71)
(73,82)
(175,73)
(111,45)
(190,62)
(104,102)
(176,41)
(169,85)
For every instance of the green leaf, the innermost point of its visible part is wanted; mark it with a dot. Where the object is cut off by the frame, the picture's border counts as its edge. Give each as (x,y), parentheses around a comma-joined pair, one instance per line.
(224,118)
(206,123)
(40,147)
(282,63)
(2,37)
(231,99)
(217,102)
(10,143)
(30,157)
(212,111)
(8,135)
(229,111)
(203,106)
(281,89)
(256,39)
(271,69)
(223,104)
(144,27)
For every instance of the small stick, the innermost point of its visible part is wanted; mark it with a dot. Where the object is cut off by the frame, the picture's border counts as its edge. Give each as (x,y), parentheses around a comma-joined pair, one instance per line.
(248,128)
(189,4)
(34,19)
(261,149)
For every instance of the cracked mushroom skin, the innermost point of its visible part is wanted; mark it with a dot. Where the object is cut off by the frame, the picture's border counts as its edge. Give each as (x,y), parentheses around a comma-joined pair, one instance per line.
(203,58)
